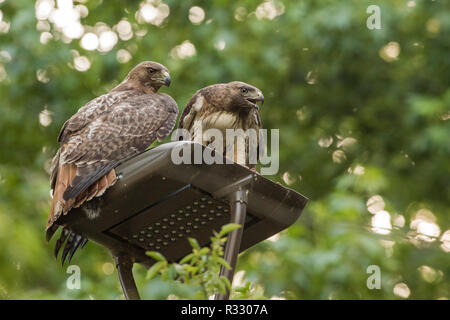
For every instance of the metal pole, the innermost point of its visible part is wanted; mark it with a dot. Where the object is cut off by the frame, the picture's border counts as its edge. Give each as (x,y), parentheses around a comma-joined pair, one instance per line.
(238,203)
(124,266)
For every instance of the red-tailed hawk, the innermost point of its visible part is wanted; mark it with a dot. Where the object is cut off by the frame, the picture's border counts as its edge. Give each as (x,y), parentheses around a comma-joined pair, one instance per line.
(225,106)
(107,130)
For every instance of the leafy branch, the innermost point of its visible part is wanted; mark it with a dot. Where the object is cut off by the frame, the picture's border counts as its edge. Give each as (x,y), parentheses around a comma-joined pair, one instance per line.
(199,269)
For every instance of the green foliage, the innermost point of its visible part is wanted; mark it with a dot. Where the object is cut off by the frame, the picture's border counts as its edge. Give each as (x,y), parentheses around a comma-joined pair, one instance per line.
(199,270)
(361,113)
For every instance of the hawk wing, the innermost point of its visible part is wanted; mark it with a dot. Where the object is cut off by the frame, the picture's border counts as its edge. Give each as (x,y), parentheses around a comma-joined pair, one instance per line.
(193,106)
(91,111)
(84,116)
(93,142)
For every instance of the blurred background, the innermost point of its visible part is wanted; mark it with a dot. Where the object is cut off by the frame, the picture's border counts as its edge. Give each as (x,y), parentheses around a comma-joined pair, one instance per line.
(363,118)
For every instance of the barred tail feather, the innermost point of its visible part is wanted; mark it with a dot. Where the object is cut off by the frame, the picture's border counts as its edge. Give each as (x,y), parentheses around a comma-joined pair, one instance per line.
(63,179)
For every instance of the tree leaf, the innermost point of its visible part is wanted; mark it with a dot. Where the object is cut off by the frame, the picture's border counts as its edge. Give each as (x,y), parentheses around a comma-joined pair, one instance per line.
(223,262)
(226,281)
(155,269)
(204,251)
(156,255)
(228,228)
(187,258)
(194,243)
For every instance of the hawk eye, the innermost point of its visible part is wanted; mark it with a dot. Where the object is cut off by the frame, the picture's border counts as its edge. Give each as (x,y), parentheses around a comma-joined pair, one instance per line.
(244,90)
(151,70)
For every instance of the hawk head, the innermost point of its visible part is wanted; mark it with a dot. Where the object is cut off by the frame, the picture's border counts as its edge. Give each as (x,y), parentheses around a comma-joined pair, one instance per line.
(149,75)
(244,95)
(234,96)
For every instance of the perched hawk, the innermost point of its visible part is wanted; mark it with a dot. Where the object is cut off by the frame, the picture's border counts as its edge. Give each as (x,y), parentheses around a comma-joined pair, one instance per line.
(225,106)
(107,130)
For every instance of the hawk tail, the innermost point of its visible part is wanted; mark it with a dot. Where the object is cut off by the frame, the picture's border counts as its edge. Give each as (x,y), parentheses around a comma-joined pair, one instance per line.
(85,177)
(64,176)
(60,206)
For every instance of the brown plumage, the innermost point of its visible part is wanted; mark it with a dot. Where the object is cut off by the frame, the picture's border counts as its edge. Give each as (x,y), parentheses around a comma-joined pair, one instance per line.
(104,132)
(225,106)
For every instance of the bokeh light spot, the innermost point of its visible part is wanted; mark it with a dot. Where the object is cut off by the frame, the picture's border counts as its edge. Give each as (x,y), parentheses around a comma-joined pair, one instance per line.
(43,9)
(375,204)
(288,178)
(154,12)
(108,268)
(45,118)
(220,45)
(107,41)
(339,156)
(240,14)
(325,142)
(125,30)
(123,56)
(196,15)
(381,222)
(445,239)
(390,52)
(424,223)
(402,290)
(42,76)
(428,274)
(89,41)
(81,63)
(269,10)
(45,37)
(184,50)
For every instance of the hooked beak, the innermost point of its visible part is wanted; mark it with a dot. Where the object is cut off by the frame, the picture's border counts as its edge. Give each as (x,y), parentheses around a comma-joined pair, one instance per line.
(166,79)
(259,97)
